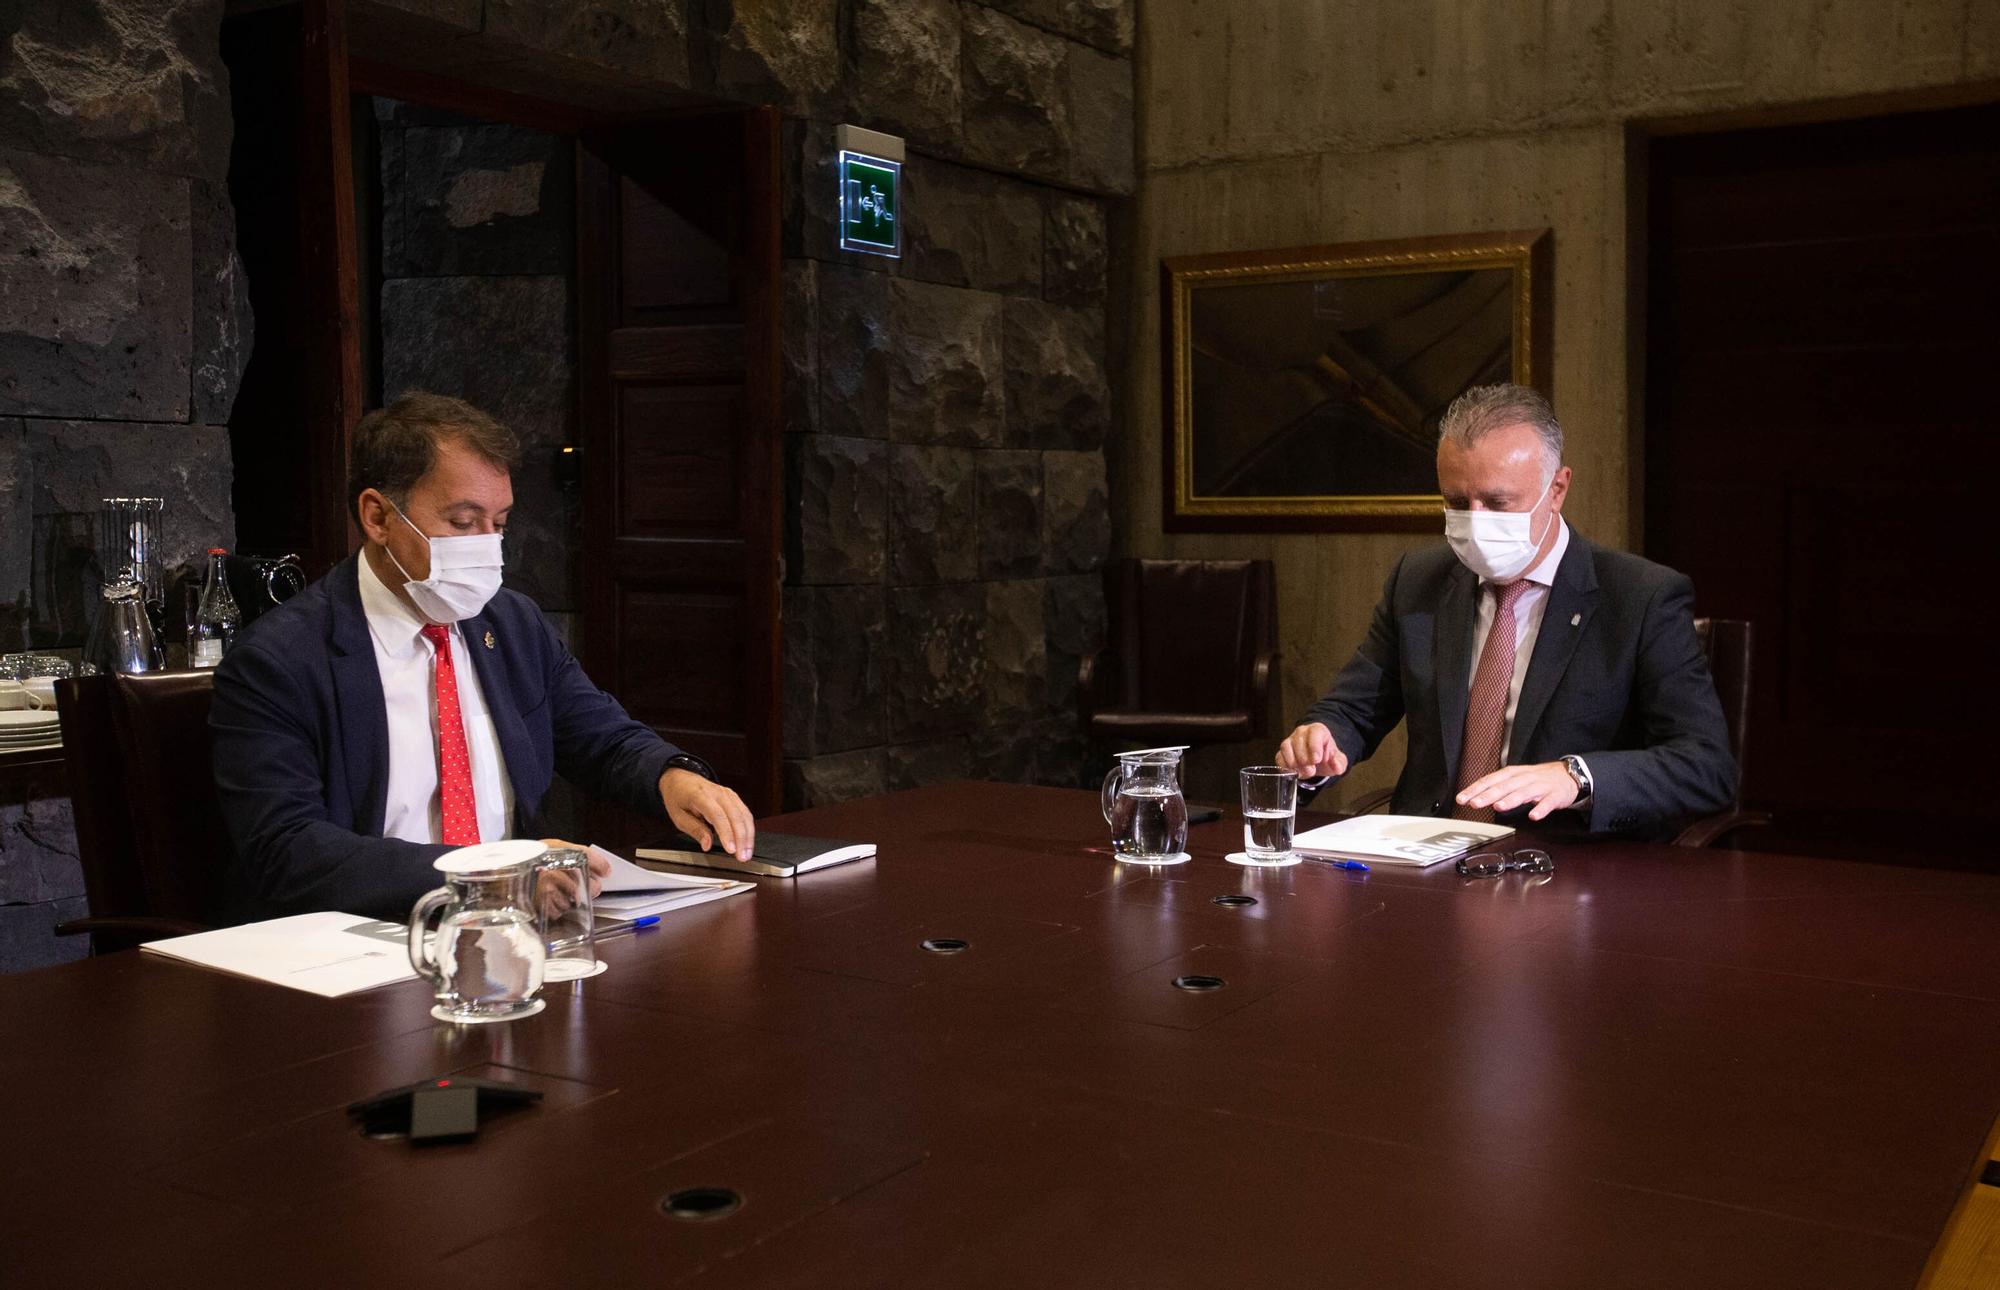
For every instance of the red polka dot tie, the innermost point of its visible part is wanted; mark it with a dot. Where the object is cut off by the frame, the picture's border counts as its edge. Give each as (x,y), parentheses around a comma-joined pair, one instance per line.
(1486,704)
(461,812)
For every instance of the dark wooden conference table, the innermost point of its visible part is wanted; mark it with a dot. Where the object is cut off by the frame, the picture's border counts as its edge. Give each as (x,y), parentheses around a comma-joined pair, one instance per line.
(1655,1068)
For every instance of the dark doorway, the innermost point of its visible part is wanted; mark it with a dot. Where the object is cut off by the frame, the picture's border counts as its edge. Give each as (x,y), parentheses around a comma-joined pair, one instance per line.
(1824,312)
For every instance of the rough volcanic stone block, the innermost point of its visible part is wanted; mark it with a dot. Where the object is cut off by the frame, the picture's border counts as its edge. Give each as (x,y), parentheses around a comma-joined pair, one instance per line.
(933,504)
(17,527)
(838,509)
(936,658)
(810,201)
(647,38)
(945,365)
(1073,608)
(223,325)
(837,777)
(1076,511)
(75,464)
(95,291)
(1044,750)
(1058,395)
(934,761)
(1076,252)
(970,228)
(834,669)
(1106,24)
(785,52)
(905,68)
(856,339)
(1016,649)
(502,344)
(1098,89)
(481,199)
(1016,100)
(138,85)
(799,346)
(1010,514)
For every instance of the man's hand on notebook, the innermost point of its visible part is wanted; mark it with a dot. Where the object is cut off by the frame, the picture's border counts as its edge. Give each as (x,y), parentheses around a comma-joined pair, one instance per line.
(708,812)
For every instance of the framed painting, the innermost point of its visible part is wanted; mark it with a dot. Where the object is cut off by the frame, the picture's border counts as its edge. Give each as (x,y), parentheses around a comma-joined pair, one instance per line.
(1303,386)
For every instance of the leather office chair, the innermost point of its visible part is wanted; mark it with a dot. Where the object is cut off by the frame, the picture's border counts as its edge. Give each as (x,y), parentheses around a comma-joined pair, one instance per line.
(1726,642)
(1189,653)
(148,827)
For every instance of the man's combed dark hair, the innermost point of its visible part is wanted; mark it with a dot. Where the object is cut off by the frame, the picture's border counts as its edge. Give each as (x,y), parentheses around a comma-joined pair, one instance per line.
(394,447)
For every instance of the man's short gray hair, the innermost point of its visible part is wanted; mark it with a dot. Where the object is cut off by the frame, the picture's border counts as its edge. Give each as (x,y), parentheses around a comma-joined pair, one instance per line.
(1485,408)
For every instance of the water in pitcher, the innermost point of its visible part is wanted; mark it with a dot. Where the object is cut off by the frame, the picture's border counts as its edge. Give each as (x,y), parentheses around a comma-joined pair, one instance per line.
(1268,833)
(490,957)
(1149,819)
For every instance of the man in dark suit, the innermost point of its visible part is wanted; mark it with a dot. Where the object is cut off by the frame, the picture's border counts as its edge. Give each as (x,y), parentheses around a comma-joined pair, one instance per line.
(406,703)
(1540,673)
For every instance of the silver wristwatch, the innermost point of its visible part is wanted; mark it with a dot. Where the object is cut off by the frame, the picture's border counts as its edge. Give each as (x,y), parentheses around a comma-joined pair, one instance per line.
(1581,774)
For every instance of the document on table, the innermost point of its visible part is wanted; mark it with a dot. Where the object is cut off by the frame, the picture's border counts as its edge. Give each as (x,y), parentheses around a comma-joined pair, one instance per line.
(630,892)
(325,954)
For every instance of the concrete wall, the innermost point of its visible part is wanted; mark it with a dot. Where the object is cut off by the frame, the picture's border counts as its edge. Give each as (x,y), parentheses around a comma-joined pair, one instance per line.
(1269,123)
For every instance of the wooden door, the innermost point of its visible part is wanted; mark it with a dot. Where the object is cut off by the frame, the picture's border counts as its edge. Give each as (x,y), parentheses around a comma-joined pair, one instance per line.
(1824,321)
(678,299)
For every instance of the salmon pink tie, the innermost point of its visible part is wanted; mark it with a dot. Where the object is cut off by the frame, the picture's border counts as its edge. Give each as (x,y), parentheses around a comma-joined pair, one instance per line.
(1486,705)
(460,815)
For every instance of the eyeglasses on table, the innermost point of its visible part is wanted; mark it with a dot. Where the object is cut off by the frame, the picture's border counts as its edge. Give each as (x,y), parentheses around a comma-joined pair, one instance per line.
(1491,864)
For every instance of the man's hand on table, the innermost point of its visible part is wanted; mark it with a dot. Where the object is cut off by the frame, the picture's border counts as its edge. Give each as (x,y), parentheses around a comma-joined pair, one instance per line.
(1311,752)
(708,812)
(556,892)
(1547,784)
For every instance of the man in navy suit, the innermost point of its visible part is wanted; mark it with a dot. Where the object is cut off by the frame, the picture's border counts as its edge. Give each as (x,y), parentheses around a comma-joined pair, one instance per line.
(406,703)
(1540,673)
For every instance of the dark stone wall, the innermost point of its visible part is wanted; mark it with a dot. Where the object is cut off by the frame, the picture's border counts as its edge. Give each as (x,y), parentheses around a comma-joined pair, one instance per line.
(945,413)
(124,324)
(477,248)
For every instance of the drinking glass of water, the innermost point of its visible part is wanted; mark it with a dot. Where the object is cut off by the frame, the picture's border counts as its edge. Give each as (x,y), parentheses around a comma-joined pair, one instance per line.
(1270,806)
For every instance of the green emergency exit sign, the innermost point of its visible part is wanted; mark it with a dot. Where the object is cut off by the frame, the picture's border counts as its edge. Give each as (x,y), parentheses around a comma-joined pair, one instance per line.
(869,211)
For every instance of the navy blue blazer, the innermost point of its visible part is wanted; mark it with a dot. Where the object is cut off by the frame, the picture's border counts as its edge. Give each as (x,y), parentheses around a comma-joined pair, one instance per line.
(300,733)
(1617,677)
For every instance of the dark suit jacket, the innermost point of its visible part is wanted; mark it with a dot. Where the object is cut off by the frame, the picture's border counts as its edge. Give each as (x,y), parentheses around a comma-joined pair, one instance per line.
(301,746)
(1625,687)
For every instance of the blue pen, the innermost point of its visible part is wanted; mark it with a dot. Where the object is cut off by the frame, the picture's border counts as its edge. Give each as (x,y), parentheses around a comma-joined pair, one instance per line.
(1355,865)
(632,926)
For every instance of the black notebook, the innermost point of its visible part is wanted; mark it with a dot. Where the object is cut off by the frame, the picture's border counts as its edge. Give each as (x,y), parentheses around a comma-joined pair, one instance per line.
(777,855)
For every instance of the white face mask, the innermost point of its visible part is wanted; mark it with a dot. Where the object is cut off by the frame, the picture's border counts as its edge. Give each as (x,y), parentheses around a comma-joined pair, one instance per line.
(1497,545)
(465,574)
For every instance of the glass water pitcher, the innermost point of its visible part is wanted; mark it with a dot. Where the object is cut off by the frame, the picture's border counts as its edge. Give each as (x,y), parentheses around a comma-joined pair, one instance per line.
(1143,804)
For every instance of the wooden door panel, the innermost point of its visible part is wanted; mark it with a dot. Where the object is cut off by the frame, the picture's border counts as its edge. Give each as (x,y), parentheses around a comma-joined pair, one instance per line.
(678,341)
(1821,325)
(679,461)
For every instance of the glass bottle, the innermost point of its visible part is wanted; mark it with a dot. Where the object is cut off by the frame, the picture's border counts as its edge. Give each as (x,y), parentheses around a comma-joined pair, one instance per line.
(216,621)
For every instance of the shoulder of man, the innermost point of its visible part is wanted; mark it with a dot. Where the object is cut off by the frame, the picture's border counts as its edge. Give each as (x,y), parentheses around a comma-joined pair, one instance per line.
(1623,573)
(1421,576)
(513,612)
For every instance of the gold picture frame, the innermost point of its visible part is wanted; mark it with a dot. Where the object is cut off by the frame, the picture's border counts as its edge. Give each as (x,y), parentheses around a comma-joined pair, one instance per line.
(1302,386)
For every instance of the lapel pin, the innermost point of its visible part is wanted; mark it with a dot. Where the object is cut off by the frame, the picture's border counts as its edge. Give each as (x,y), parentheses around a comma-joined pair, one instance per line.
(1575,620)
(489,640)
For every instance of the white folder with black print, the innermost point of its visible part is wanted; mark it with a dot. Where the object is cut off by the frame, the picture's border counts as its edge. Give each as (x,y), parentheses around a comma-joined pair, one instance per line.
(1415,840)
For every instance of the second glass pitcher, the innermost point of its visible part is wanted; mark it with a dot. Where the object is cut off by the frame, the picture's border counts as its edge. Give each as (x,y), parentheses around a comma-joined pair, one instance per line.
(488,958)
(1143,804)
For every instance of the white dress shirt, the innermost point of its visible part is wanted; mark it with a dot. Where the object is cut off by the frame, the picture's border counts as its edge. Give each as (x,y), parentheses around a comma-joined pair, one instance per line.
(1528,612)
(414,811)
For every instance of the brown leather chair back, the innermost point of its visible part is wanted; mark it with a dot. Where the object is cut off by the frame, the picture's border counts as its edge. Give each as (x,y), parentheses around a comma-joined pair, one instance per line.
(149,827)
(1185,633)
(1726,642)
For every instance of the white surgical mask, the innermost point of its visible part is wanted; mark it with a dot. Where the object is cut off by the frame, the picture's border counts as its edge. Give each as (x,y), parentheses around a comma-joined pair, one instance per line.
(465,574)
(1497,545)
